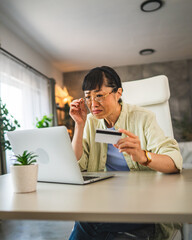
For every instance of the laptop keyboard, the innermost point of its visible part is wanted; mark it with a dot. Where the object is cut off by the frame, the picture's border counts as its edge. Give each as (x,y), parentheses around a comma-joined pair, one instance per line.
(86,178)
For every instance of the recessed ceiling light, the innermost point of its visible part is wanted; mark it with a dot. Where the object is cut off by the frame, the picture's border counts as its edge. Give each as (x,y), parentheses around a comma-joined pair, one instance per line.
(147,51)
(151,5)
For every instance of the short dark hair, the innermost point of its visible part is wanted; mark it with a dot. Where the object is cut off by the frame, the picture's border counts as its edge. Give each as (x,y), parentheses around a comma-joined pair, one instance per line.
(95,78)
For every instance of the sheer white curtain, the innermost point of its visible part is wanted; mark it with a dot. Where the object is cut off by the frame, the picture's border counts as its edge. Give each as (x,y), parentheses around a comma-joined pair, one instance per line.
(25,93)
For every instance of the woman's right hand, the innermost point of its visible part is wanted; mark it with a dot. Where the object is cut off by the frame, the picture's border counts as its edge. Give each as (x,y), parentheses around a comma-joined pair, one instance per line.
(78,111)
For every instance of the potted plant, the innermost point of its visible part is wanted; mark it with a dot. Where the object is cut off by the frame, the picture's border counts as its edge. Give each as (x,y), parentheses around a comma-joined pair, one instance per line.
(24,172)
(7,123)
(44,122)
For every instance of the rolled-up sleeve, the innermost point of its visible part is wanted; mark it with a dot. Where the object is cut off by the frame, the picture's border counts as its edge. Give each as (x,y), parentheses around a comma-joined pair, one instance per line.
(83,161)
(158,143)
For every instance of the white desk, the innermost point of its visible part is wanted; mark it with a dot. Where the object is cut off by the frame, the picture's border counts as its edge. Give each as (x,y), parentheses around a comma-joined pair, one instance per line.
(128,197)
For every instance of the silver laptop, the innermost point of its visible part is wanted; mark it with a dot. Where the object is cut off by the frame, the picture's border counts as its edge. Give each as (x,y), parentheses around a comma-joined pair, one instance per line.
(56,158)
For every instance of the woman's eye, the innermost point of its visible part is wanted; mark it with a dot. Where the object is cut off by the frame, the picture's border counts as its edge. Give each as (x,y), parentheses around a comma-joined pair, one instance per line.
(99,95)
(87,97)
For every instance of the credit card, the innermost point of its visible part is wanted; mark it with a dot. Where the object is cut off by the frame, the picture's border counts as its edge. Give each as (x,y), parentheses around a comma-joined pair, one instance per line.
(107,136)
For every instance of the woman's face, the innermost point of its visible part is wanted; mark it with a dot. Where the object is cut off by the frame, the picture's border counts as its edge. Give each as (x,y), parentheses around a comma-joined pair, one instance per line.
(102,103)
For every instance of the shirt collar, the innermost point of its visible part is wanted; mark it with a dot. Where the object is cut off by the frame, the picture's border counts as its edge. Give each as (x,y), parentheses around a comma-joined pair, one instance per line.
(118,122)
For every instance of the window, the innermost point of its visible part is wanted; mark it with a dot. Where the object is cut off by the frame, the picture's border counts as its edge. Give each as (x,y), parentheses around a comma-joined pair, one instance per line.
(26,93)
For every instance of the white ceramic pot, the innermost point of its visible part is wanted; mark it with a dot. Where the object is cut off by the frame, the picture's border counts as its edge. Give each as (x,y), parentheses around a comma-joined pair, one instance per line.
(24,178)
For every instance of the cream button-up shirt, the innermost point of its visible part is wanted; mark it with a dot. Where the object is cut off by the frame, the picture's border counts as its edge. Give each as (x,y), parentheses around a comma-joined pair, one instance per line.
(141,123)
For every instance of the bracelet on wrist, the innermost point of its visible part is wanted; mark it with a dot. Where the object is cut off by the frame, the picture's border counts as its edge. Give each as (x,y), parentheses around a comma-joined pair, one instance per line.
(149,158)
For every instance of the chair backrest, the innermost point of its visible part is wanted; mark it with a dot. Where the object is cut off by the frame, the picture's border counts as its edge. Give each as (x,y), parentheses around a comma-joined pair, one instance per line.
(152,93)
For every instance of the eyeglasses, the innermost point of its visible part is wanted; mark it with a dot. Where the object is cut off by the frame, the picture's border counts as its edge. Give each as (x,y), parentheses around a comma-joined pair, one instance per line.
(98,98)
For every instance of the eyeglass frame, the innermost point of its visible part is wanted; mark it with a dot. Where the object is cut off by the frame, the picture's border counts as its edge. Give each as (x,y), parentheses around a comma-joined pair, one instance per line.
(103,98)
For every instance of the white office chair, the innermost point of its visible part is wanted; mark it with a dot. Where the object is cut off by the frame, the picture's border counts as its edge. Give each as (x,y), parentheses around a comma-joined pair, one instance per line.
(151,93)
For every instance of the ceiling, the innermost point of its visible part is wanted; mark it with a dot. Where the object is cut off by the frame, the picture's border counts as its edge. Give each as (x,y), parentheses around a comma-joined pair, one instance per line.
(80,34)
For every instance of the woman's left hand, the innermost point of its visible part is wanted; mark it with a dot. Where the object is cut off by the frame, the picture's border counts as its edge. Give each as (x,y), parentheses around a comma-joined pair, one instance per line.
(132,146)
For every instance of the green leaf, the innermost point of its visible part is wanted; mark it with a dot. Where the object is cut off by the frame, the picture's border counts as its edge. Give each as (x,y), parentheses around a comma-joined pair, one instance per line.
(27,158)
(7,123)
(44,122)
(6,111)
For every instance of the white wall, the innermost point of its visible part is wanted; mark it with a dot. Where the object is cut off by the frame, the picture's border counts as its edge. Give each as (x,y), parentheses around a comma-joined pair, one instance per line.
(15,45)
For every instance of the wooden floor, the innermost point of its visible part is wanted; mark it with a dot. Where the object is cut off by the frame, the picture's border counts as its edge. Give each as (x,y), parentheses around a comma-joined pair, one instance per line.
(35,230)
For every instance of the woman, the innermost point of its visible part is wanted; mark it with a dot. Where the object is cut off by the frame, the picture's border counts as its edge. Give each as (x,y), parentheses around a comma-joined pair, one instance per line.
(142,147)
